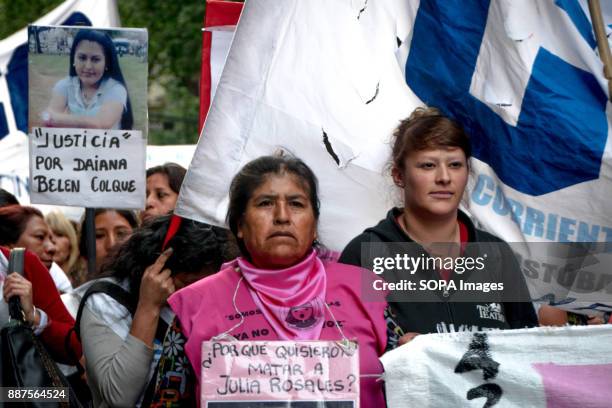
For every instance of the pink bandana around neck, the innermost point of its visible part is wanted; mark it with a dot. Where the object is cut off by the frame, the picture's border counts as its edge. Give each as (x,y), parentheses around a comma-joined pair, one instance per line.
(293,299)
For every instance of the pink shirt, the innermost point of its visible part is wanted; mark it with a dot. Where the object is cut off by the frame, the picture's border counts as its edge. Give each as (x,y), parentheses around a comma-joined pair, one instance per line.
(205,310)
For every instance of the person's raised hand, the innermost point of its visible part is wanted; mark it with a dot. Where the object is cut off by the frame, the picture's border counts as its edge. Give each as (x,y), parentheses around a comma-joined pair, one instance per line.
(156,284)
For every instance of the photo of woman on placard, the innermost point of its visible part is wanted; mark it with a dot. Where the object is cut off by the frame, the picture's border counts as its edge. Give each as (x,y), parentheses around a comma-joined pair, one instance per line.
(94,94)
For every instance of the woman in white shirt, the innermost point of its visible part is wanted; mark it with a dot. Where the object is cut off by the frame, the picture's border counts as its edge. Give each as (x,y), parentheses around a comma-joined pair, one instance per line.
(94,94)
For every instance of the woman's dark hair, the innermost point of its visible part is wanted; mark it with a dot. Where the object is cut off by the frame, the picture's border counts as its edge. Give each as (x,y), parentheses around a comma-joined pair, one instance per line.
(427,128)
(13,221)
(129,215)
(196,247)
(174,172)
(7,198)
(111,70)
(254,174)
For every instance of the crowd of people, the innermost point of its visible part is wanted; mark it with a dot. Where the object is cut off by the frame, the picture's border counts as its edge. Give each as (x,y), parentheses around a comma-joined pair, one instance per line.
(151,291)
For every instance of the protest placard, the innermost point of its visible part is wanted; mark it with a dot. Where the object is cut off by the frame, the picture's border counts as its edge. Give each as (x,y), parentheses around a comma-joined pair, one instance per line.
(279,373)
(87,116)
(87,167)
(538,367)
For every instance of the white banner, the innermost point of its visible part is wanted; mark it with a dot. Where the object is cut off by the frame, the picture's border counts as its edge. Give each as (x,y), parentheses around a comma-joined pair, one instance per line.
(329,81)
(179,154)
(14,166)
(333,103)
(542,367)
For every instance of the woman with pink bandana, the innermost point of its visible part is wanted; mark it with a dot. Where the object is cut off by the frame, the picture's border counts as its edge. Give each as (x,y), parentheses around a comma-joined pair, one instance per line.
(281,285)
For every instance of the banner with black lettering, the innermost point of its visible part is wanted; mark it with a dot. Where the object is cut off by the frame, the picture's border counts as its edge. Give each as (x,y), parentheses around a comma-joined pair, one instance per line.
(87,167)
(279,373)
(87,116)
(541,367)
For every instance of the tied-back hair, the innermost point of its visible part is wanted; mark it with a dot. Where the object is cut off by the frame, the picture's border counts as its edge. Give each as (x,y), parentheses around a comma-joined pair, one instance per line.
(254,174)
(196,247)
(13,222)
(424,129)
(112,68)
(174,172)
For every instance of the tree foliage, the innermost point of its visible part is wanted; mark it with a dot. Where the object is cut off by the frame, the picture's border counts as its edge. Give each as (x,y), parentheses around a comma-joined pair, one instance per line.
(15,15)
(175,41)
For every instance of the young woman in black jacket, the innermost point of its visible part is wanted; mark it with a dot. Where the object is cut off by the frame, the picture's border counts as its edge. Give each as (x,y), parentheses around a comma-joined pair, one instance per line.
(430,164)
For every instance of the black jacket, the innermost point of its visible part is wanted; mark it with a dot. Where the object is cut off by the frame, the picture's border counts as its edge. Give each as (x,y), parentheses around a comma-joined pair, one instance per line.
(447,316)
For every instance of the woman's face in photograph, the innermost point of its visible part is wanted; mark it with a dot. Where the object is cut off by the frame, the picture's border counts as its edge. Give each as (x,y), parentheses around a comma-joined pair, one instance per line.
(89,62)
